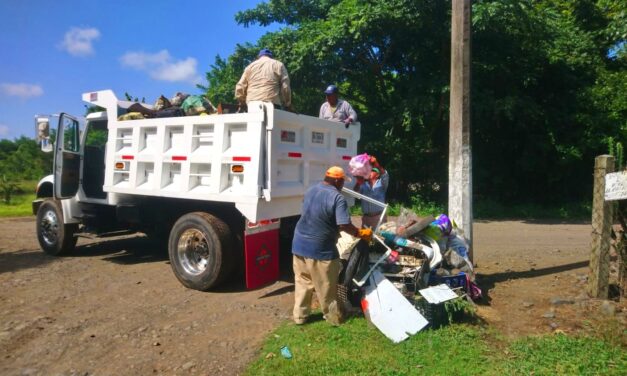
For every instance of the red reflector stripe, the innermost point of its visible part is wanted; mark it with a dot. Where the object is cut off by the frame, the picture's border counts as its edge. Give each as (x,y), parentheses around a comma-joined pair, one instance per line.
(295,155)
(179,158)
(346,157)
(129,157)
(241,159)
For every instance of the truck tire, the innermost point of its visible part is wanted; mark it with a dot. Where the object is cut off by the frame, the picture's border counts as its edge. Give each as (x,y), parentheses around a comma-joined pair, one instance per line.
(348,292)
(55,237)
(198,247)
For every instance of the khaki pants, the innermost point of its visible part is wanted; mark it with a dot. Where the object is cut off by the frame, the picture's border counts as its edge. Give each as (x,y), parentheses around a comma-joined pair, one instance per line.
(319,275)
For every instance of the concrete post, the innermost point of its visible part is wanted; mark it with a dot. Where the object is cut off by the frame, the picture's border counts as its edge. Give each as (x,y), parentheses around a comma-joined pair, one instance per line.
(460,156)
(602,218)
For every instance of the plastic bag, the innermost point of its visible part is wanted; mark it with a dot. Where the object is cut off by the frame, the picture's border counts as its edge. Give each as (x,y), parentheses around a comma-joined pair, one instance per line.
(162,103)
(131,116)
(442,227)
(458,245)
(196,105)
(406,217)
(178,99)
(359,165)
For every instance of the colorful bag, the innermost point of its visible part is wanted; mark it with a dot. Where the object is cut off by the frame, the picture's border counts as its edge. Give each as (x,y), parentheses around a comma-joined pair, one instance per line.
(359,165)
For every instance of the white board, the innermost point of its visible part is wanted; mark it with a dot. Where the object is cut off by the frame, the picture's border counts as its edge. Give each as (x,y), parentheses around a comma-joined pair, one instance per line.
(438,294)
(616,186)
(390,311)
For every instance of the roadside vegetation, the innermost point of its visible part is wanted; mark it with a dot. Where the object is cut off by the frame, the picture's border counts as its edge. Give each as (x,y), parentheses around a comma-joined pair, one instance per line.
(22,164)
(22,195)
(549,90)
(358,348)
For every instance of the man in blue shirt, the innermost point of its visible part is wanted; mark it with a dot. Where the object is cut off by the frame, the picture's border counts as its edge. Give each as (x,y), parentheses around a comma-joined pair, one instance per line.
(374,187)
(316,260)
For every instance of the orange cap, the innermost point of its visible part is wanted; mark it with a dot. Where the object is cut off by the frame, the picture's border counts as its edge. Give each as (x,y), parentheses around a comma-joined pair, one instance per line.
(336,172)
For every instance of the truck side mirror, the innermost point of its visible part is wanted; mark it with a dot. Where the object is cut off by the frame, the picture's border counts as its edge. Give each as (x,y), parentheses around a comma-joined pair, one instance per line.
(43,134)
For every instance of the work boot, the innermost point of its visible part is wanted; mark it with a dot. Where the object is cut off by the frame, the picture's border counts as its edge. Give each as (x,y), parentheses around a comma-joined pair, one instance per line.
(334,316)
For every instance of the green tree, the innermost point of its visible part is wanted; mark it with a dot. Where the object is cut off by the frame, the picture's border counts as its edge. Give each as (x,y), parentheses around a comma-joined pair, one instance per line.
(545,93)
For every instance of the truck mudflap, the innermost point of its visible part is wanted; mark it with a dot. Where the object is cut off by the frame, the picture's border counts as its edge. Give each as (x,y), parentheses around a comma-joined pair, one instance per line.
(261,252)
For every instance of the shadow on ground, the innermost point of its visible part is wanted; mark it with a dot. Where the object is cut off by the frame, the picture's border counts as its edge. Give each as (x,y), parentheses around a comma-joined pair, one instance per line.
(20,260)
(125,251)
(488,281)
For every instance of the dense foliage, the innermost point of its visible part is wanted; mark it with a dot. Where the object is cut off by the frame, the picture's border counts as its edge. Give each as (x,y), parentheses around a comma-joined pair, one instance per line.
(21,159)
(545,93)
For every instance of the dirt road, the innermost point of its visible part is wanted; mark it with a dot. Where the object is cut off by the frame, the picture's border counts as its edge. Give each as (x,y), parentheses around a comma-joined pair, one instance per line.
(114,307)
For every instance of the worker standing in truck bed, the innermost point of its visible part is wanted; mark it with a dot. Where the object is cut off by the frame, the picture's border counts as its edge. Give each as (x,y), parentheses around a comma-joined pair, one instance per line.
(265,79)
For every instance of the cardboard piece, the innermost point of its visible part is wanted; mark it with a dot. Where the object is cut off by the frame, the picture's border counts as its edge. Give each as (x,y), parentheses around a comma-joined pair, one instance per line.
(438,294)
(616,186)
(389,310)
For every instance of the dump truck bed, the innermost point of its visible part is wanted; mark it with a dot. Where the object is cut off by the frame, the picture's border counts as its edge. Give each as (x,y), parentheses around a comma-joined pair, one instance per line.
(262,160)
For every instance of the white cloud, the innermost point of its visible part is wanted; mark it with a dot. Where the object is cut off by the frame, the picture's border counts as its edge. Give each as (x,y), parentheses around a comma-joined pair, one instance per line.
(4,130)
(162,66)
(21,90)
(78,42)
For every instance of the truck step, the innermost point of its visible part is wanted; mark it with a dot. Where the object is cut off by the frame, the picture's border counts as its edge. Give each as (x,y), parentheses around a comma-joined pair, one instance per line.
(93,236)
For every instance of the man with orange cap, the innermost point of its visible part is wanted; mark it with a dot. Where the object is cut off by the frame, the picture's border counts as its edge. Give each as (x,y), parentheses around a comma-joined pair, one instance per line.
(316,260)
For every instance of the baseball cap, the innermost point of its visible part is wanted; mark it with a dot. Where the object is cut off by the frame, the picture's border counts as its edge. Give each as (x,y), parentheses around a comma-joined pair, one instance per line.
(265,52)
(331,89)
(336,172)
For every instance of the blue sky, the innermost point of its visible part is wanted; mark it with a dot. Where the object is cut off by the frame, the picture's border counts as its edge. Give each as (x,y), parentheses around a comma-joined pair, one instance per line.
(53,51)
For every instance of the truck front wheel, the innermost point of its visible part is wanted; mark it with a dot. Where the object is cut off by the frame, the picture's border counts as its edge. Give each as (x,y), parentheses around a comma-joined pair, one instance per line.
(55,237)
(198,246)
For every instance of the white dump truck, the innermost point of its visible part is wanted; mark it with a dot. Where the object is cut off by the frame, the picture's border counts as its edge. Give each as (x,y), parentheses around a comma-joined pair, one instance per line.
(215,187)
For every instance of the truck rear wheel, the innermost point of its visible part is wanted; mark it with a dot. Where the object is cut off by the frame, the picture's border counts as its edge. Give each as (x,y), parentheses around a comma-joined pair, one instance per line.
(55,237)
(198,247)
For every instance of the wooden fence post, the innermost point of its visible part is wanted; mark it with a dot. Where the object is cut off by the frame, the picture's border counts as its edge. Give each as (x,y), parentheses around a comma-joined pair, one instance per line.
(602,219)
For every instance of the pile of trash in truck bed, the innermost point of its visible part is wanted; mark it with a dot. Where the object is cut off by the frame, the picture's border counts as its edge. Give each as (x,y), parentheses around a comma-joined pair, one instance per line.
(404,279)
(180,104)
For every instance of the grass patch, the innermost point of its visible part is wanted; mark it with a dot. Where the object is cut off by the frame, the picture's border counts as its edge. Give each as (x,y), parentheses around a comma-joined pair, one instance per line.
(417,205)
(357,348)
(20,206)
(564,355)
(20,200)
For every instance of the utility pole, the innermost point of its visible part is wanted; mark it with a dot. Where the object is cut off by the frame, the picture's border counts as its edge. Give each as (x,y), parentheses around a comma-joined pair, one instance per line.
(460,156)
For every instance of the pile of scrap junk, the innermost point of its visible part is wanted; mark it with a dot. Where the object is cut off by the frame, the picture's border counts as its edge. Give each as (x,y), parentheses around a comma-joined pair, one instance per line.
(407,276)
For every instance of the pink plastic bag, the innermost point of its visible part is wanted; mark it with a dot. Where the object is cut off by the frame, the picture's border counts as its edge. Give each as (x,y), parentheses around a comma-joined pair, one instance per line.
(359,165)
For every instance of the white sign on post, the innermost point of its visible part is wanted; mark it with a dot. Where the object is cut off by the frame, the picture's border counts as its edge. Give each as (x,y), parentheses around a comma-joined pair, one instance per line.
(616,186)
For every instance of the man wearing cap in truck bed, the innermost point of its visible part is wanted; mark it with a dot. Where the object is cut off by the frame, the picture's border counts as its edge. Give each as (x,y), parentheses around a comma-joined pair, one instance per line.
(265,79)
(316,259)
(336,109)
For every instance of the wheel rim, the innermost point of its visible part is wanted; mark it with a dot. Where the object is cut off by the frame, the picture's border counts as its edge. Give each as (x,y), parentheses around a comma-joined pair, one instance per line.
(50,227)
(193,251)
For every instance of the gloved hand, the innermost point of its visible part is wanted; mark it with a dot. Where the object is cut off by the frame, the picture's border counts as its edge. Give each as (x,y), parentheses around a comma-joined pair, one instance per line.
(365,234)
(348,121)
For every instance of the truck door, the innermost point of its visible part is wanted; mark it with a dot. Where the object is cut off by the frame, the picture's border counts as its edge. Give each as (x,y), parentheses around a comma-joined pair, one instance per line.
(67,157)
